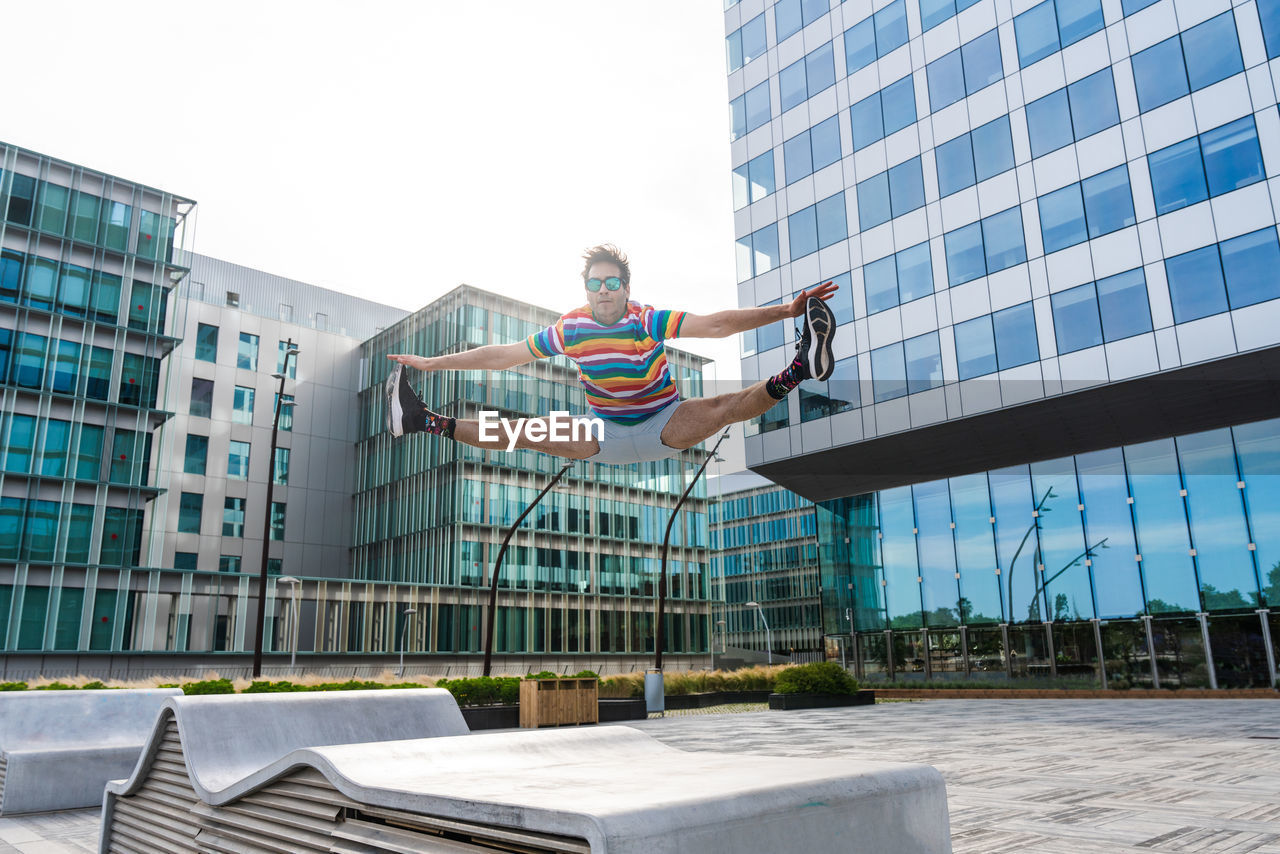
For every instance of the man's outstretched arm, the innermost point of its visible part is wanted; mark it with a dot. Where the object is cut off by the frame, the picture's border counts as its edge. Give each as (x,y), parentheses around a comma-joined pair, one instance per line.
(722,324)
(491,357)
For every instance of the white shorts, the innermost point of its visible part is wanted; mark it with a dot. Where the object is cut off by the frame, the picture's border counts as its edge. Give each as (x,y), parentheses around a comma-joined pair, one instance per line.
(623,444)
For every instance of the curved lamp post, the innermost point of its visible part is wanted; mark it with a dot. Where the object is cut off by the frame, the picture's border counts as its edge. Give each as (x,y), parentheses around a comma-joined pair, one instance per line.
(290,351)
(768,635)
(404,629)
(497,565)
(666,542)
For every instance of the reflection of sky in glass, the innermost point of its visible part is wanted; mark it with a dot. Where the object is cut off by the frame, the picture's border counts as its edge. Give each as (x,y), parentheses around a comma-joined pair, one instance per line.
(1066,578)
(976,547)
(1016,539)
(1162,527)
(937,553)
(1258,446)
(1117,585)
(899,551)
(1218,529)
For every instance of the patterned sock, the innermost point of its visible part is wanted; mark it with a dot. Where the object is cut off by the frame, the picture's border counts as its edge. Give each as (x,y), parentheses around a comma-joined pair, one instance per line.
(440,425)
(782,384)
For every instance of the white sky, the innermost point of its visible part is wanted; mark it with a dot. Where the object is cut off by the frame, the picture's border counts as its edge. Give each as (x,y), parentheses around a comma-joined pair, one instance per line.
(396,149)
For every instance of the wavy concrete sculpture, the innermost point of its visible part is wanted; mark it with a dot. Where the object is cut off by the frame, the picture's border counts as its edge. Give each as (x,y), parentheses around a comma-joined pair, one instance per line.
(364,772)
(59,748)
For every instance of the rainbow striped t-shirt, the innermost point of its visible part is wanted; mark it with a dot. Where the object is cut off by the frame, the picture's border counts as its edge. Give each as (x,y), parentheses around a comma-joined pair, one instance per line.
(623,367)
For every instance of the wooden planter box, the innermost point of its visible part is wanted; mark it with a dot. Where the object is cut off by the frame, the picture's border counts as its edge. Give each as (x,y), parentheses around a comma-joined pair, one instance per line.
(556,702)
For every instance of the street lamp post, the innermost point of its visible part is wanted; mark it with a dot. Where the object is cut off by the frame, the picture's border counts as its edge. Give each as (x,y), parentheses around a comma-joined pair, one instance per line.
(768,635)
(403,630)
(294,584)
(290,351)
(724,637)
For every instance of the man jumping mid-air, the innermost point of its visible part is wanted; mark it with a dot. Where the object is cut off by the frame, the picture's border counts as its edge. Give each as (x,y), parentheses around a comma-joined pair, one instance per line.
(618,347)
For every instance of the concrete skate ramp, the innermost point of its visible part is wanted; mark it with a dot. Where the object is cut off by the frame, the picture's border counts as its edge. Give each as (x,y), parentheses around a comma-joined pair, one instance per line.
(59,748)
(605,789)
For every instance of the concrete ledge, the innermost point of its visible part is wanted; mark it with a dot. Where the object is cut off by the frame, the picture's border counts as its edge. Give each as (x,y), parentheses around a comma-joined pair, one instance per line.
(600,789)
(59,748)
(790,702)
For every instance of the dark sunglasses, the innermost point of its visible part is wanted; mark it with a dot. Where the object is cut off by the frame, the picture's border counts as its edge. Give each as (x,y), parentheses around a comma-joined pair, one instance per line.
(613,283)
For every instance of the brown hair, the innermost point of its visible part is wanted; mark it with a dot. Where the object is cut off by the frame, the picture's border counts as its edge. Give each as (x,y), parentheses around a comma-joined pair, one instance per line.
(609,253)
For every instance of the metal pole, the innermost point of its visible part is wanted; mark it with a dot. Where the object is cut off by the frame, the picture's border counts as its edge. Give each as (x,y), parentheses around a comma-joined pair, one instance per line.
(497,565)
(293,583)
(666,542)
(290,352)
(1263,614)
(1102,659)
(768,635)
(1008,659)
(1203,617)
(1151,653)
(403,631)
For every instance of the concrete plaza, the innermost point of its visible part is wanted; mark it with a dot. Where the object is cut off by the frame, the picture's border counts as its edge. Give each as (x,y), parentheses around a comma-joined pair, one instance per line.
(1054,776)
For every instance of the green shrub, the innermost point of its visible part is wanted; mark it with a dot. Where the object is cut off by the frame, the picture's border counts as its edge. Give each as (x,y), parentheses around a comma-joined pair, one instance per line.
(586,674)
(208,686)
(56,686)
(543,674)
(13,686)
(483,690)
(93,686)
(820,677)
(267,687)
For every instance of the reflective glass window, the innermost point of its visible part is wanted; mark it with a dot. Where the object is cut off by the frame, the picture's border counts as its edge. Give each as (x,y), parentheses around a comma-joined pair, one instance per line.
(955,165)
(859,45)
(186,561)
(1269,14)
(981,58)
(42,283)
(41,536)
(88,462)
(906,187)
(22,191)
(888,373)
(915,272)
(206,342)
(1062,218)
(1177,176)
(792,90)
(992,148)
(282,353)
(825,139)
(84,217)
(1250,263)
(29,360)
(945,76)
(280,472)
(899,104)
(247,352)
(286,411)
(900,558)
(1212,51)
(891,27)
(746,43)
(750,110)
(802,232)
(98,383)
(1016,540)
(1108,201)
(201,397)
(797,157)
(880,280)
(1015,331)
(975,347)
(1003,240)
(786,18)
(197,454)
(1093,104)
(1258,450)
(1122,303)
(79,533)
(1131,6)
(66,367)
(1232,158)
(115,225)
(753,180)
(1216,510)
(965,257)
(934,12)
(924,362)
(242,405)
(936,545)
(975,550)
(867,121)
(53,208)
(820,70)
(1195,284)
(189,509)
(21,447)
(832,227)
(1078,18)
(238,460)
(11,265)
(1049,123)
(1068,592)
(73,290)
(1161,519)
(1036,32)
(106,297)
(277,520)
(1159,74)
(1104,492)
(1075,319)
(873,201)
(233,517)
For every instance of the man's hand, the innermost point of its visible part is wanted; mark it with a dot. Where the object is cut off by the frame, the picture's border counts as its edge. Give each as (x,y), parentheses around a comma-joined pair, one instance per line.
(410,360)
(796,308)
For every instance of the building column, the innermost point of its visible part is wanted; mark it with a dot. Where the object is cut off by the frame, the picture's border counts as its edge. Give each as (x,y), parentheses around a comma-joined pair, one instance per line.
(964,650)
(928,654)
(888,652)
(1151,651)
(1102,659)
(1263,614)
(1053,656)
(1004,641)
(1203,617)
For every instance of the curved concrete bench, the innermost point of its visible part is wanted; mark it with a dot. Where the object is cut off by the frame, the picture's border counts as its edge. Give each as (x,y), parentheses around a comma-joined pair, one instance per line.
(609,789)
(59,748)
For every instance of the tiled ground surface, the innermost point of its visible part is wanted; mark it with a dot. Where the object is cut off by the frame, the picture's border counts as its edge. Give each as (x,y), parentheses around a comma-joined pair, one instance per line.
(1052,776)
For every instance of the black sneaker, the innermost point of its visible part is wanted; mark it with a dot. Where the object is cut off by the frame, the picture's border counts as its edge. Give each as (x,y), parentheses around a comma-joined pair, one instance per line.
(405,410)
(815,339)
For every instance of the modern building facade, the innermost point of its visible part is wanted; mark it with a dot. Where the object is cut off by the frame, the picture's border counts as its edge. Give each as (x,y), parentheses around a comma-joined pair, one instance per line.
(1048,445)
(579,578)
(764,546)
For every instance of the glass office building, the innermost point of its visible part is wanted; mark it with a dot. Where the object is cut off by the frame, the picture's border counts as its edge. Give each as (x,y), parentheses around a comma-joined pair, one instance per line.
(1053,227)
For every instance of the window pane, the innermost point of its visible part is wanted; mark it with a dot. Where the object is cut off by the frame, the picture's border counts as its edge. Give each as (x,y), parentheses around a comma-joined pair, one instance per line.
(915,272)
(1078,18)
(792,90)
(106,298)
(975,347)
(899,104)
(1093,104)
(825,137)
(247,353)
(22,444)
(1212,51)
(277,520)
(1250,263)
(1162,527)
(797,157)
(73,290)
(742,257)
(760,175)
(820,70)
(888,373)
(1002,236)
(206,342)
(1075,319)
(881,283)
(197,454)
(764,248)
(89,453)
(11,266)
(1131,6)
(1122,300)
(189,513)
(924,362)
(831,221)
(992,148)
(1049,123)
(1108,202)
(891,27)
(1216,510)
(233,517)
(865,117)
(965,258)
(42,282)
(115,225)
(873,201)
(201,397)
(29,361)
(1015,331)
(286,411)
(802,227)
(1232,158)
(786,18)
(238,460)
(1269,13)
(1036,32)
(757,106)
(738,117)
(22,193)
(66,367)
(1108,520)
(1159,75)
(859,46)
(906,187)
(946,81)
(84,217)
(1062,218)
(281,471)
(812,10)
(53,208)
(1195,284)
(955,165)
(1177,176)
(242,406)
(934,12)
(982,62)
